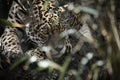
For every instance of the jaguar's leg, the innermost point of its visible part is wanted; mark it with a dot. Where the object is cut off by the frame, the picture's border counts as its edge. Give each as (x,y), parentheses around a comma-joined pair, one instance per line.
(10,43)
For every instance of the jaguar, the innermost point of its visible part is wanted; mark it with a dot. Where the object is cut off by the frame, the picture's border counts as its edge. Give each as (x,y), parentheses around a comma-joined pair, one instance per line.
(46,21)
(10,43)
(9,40)
(41,21)
(40,55)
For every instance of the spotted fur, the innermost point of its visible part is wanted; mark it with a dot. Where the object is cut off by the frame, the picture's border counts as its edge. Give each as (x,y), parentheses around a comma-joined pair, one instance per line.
(16,14)
(43,20)
(10,43)
(40,55)
(9,40)
(46,22)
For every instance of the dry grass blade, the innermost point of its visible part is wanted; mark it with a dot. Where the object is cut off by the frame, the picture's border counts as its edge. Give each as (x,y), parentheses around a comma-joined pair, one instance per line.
(113,25)
(11,24)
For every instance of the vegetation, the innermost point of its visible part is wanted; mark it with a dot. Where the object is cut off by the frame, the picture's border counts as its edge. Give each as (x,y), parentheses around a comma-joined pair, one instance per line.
(93,52)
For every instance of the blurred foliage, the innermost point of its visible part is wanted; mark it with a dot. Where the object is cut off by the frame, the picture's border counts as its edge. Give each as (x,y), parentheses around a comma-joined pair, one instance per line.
(94,57)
